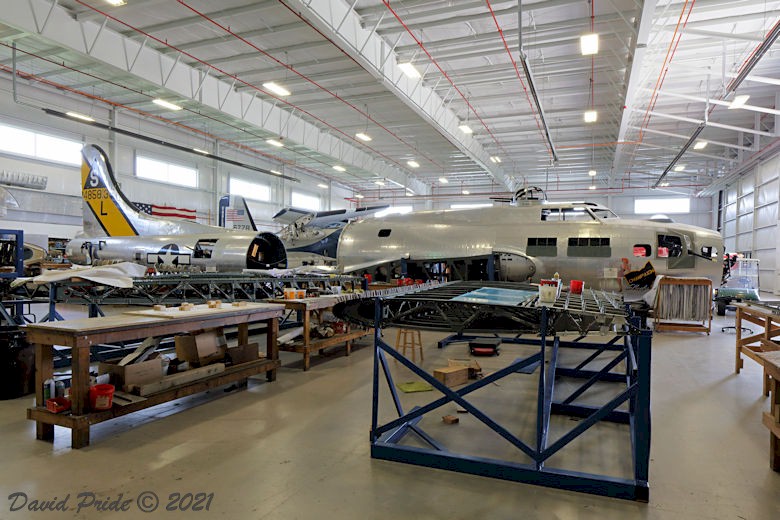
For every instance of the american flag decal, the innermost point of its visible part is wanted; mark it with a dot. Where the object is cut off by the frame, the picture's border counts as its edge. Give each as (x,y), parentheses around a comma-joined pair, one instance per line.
(234,215)
(166,211)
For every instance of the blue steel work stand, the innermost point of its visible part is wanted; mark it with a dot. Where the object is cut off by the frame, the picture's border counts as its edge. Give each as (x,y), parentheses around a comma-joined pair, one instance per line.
(635,392)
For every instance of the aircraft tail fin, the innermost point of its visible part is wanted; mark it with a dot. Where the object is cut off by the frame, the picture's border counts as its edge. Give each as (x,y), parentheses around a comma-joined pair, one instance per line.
(106,210)
(234,213)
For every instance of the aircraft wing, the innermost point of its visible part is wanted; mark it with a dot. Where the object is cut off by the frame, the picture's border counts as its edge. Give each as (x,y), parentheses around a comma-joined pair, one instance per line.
(324,219)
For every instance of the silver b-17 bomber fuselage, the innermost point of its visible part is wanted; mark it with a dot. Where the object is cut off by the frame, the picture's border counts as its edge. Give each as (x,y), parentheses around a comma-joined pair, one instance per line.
(528,241)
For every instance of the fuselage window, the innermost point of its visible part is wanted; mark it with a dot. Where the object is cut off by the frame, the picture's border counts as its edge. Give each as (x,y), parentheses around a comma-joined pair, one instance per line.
(642,250)
(589,247)
(709,251)
(384,233)
(542,246)
(204,248)
(669,246)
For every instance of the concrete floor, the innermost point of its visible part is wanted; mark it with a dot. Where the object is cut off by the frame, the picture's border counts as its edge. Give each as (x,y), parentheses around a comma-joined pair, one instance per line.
(298,449)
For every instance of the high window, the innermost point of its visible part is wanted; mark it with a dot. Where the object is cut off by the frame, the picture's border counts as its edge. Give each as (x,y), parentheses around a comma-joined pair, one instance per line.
(249,190)
(169,173)
(18,141)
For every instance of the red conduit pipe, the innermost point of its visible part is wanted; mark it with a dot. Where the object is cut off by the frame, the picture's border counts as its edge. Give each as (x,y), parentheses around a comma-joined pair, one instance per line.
(239,80)
(517,72)
(441,70)
(308,79)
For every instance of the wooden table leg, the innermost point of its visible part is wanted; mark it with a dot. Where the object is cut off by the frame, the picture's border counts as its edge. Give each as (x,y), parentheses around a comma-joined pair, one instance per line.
(306,340)
(79,390)
(44,369)
(272,345)
(774,410)
(738,323)
(243,333)
(79,438)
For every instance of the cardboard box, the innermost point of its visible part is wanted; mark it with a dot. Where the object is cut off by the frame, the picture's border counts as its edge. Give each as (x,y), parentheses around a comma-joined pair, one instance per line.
(244,353)
(201,349)
(145,372)
(452,376)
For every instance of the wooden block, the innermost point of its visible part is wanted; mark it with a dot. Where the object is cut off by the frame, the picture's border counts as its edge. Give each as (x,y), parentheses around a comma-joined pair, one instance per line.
(239,304)
(181,378)
(450,419)
(186,307)
(460,409)
(159,307)
(452,376)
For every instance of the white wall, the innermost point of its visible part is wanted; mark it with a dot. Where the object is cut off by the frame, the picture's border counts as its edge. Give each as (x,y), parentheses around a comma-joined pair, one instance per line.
(750,219)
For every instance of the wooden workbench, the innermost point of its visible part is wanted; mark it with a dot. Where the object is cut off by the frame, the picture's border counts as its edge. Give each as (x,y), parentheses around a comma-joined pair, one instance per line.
(771,419)
(81,334)
(307,306)
(752,345)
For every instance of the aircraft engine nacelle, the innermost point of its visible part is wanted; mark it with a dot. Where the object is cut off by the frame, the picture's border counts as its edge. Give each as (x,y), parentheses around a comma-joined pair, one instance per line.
(515,268)
(220,252)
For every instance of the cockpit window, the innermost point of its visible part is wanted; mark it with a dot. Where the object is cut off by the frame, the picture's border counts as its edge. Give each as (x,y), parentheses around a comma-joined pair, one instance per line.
(603,213)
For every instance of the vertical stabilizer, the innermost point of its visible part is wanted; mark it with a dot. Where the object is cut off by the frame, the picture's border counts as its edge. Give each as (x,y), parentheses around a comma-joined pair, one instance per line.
(106,211)
(234,214)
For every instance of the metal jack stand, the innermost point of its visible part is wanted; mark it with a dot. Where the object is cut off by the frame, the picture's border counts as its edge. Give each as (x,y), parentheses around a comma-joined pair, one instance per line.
(634,391)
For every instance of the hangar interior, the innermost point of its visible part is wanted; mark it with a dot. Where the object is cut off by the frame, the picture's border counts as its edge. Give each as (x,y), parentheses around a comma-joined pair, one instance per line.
(417,105)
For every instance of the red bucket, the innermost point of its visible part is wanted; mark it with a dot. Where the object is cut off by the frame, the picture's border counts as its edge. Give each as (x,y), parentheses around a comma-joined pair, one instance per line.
(101,397)
(577,286)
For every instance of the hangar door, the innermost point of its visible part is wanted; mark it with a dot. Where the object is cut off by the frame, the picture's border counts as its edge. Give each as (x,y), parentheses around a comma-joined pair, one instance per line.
(750,214)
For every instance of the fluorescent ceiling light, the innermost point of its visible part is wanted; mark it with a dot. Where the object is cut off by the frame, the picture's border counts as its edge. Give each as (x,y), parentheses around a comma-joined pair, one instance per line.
(591,116)
(591,187)
(409,194)
(592,173)
(466,129)
(363,137)
(358,196)
(700,145)
(166,104)
(274,142)
(409,69)
(380,183)
(679,167)
(339,168)
(443,180)
(466,192)
(276,172)
(739,101)
(413,163)
(495,159)
(200,150)
(664,184)
(76,115)
(276,89)
(589,44)
(116,3)
(321,185)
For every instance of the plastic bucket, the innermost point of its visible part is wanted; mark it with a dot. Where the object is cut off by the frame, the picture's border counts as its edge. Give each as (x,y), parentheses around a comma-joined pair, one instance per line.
(101,397)
(300,294)
(289,294)
(577,286)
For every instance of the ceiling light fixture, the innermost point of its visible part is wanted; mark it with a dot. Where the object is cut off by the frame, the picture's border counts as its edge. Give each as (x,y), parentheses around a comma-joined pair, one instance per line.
(200,150)
(379,183)
(466,192)
(76,115)
(700,145)
(592,173)
(276,89)
(495,159)
(323,186)
(592,187)
(274,142)
(409,69)
(679,167)
(664,184)
(276,172)
(166,104)
(589,44)
(339,168)
(739,101)
(590,116)
(412,163)
(116,3)
(358,196)
(466,129)
(443,180)
(363,137)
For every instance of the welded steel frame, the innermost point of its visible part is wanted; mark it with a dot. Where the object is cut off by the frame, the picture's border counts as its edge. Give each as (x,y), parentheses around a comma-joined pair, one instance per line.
(634,353)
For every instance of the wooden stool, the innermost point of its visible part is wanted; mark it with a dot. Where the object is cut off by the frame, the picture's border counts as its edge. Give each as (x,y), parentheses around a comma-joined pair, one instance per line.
(409,339)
